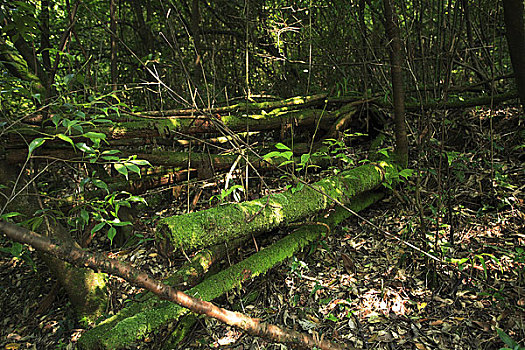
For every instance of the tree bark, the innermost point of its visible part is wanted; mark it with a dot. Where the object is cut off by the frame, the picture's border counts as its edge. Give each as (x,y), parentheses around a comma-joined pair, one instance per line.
(398,87)
(45,44)
(138,319)
(227,222)
(99,262)
(113,30)
(515,33)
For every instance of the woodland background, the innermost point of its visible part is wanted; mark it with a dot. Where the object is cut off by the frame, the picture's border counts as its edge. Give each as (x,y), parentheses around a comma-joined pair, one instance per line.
(191,139)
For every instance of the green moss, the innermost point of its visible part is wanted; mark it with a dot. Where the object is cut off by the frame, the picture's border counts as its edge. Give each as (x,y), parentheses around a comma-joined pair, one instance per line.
(136,326)
(227,222)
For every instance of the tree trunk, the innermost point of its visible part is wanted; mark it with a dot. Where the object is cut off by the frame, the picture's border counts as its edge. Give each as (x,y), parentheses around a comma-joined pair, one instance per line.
(113,29)
(139,319)
(515,32)
(85,288)
(45,44)
(398,87)
(227,222)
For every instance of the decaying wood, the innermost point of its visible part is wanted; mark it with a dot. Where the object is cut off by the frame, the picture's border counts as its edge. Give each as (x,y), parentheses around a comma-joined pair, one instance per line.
(99,262)
(223,223)
(298,101)
(137,320)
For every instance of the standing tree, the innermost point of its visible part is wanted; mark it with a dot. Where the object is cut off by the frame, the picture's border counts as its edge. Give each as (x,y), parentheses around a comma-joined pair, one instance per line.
(515,32)
(398,88)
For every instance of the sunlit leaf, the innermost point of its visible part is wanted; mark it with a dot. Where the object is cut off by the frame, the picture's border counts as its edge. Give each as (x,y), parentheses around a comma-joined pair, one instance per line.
(133,168)
(121,168)
(34,145)
(98,227)
(282,146)
(95,135)
(66,138)
(100,184)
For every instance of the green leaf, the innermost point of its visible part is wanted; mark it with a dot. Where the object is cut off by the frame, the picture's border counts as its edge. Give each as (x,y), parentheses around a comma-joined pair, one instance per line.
(119,223)
(68,78)
(137,199)
(111,152)
(141,162)
(286,162)
(85,148)
(78,128)
(406,173)
(506,339)
(112,232)
(80,114)
(67,139)
(332,318)
(35,224)
(288,155)
(273,154)
(121,168)
(226,193)
(16,249)
(110,158)
(85,216)
(305,158)
(95,135)
(282,146)
(37,97)
(100,184)
(97,227)
(34,145)
(56,119)
(132,167)
(9,215)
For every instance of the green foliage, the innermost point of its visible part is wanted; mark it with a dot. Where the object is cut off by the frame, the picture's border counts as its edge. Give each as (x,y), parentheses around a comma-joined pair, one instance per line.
(298,267)
(235,190)
(19,251)
(511,343)
(284,152)
(393,173)
(338,150)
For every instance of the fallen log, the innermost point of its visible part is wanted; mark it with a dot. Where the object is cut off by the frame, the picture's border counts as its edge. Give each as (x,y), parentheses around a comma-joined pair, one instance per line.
(150,128)
(139,319)
(458,104)
(97,261)
(296,102)
(231,221)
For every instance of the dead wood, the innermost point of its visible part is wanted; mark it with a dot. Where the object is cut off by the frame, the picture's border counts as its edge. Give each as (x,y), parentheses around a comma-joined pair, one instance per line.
(231,221)
(132,322)
(298,101)
(99,262)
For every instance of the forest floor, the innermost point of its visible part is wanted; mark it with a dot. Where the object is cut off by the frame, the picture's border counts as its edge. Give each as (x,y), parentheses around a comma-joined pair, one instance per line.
(359,285)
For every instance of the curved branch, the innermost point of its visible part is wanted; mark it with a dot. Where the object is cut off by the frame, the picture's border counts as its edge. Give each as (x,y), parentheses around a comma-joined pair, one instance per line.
(99,262)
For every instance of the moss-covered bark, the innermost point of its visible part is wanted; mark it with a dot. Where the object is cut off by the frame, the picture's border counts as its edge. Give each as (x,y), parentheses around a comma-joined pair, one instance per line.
(147,128)
(224,223)
(295,102)
(86,288)
(140,319)
(187,276)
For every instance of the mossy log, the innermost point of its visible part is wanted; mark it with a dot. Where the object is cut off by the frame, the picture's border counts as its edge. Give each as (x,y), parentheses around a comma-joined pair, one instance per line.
(227,222)
(190,274)
(140,319)
(164,127)
(296,102)
(459,104)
